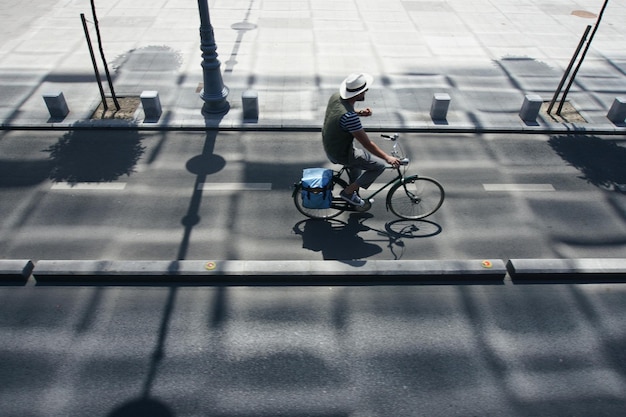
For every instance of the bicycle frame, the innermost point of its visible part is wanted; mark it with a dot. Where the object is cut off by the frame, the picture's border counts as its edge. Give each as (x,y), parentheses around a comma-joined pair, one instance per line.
(349,207)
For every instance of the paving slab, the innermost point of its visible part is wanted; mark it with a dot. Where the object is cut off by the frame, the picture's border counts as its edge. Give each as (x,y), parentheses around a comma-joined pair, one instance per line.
(486,56)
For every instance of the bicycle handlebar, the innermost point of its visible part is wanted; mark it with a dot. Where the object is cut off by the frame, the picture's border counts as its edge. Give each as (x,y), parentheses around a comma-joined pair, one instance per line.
(403,161)
(392,138)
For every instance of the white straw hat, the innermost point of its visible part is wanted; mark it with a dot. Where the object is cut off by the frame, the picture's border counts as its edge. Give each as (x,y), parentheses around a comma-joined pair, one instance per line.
(354,85)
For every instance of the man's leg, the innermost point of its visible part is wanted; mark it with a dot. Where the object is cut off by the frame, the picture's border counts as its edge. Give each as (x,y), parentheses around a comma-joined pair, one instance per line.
(354,172)
(370,165)
(365,167)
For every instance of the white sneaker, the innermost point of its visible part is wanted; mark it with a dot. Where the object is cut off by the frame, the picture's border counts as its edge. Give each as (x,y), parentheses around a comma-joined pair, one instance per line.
(354,199)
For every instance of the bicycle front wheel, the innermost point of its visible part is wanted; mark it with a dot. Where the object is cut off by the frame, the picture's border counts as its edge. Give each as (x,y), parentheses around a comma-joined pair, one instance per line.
(337,207)
(415,197)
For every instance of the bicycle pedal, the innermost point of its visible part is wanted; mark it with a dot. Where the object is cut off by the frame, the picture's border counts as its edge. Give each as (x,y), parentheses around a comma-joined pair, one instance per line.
(366,206)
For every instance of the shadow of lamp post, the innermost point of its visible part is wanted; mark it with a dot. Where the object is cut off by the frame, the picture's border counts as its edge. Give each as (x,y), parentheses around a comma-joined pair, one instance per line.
(214,92)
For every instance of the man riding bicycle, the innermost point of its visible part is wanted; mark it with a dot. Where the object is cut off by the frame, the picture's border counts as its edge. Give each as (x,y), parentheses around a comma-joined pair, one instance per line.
(342,126)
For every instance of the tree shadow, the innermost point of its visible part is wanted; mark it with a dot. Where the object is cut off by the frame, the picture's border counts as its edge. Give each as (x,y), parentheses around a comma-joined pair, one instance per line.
(95,155)
(151,58)
(600,161)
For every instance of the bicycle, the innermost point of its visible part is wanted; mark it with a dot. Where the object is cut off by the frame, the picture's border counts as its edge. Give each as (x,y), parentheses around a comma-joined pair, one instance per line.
(410,197)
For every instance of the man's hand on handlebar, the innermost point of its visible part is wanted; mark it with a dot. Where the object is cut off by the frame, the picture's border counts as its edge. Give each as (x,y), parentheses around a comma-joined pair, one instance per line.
(394,162)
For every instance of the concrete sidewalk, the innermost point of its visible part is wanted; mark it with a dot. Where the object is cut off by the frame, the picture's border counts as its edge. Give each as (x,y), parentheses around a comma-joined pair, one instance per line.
(487,55)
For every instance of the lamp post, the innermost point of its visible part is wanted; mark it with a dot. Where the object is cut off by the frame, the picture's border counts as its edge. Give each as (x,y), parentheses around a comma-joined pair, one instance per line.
(214,92)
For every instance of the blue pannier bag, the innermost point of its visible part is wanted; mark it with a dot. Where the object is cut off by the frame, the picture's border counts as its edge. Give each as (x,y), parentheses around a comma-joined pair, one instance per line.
(317,188)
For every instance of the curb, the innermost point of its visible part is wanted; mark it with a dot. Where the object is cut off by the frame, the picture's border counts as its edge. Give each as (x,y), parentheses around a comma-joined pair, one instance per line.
(15,270)
(529,130)
(559,270)
(259,272)
(384,272)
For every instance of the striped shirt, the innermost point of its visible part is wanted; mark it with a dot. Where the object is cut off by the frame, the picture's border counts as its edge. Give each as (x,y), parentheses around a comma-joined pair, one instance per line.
(350,122)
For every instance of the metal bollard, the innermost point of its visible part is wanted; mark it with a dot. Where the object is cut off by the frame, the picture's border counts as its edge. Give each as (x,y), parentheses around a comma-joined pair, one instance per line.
(617,113)
(530,108)
(55,101)
(250,103)
(151,105)
(439,106)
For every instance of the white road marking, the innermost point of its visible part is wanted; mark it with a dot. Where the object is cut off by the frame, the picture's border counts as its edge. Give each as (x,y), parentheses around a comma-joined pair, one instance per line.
(267,186)
(99,186)
(518,187)
(235,186)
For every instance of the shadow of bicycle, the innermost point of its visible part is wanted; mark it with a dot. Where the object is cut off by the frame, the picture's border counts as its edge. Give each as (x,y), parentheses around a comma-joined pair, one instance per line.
(340,240)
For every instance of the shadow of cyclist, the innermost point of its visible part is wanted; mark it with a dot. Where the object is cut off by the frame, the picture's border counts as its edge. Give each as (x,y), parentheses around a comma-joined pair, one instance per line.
(336,239)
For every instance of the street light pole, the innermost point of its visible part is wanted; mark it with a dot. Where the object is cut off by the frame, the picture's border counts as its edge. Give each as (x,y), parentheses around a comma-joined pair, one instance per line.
(214,92)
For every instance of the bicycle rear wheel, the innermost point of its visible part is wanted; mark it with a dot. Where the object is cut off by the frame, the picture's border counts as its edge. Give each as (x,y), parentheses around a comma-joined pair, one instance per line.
(415,197)
(337,207)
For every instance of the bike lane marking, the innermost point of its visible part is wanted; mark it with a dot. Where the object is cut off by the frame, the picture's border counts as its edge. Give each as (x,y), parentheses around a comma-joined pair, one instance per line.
(519,187)
(235,186)
(120,186)
(97,186)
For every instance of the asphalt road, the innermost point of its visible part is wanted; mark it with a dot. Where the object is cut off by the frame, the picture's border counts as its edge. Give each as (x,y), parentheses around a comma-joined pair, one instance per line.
(346,351)
(297,351)
(196,195)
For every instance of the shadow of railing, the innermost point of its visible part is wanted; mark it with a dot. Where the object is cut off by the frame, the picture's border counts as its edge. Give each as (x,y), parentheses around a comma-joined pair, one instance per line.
(23,173)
